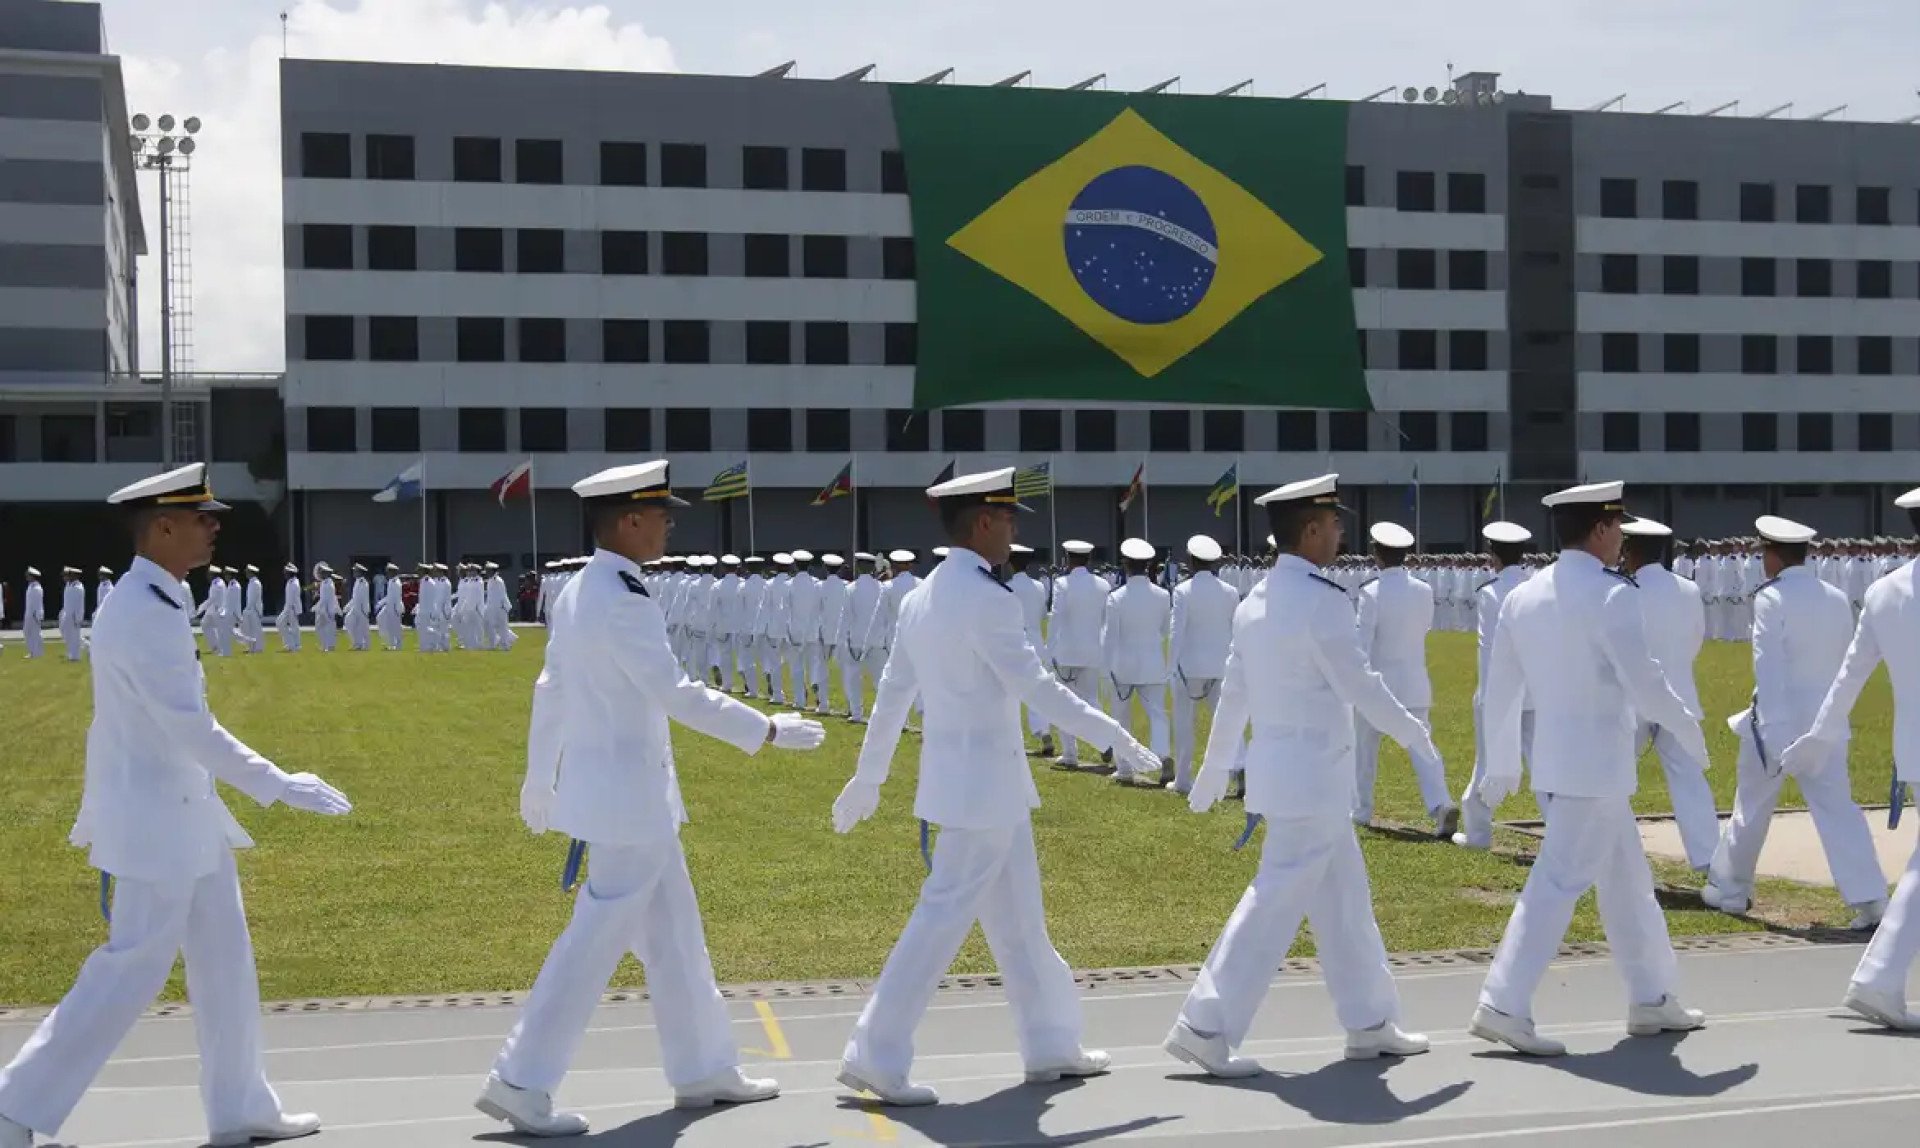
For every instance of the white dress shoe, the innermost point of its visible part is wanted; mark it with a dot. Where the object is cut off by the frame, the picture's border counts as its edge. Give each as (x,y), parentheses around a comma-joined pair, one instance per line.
(1208,1053)
(1446,820)
(1664,1015)
(1888,1010)
(285,1127)
(898,1093)
(1465,842)
(1384,1039)
(15,1135)
(1087,1063)
(1714,897)
(730,1087)
(528,1111)
(1870,915)
(1515,1032)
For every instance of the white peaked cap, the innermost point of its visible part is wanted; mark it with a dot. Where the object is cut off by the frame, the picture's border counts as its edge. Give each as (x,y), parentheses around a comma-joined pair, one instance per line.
(832,559)
(1138,549)
(754,560)
(1391,535)
(1783,530)
(989,485)
(1270,541)
(1021,548)
(1508,532)
(1318,490)
(1203,549)
(863,556)
(1910,500)
(1646,528)
(33,572)
(637,481)
(783,559)
(803,556)
(1075,546)
(730,559)
(109,570)
(900,556)
(1594,493)
(182,488)
(940,552)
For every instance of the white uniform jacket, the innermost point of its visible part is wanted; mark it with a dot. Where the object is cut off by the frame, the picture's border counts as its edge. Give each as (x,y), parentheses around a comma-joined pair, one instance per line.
(1395,614)
(1801,629)
(1139,617)
(1079,615)
(1203,609)
(1889,629)
(1676,619)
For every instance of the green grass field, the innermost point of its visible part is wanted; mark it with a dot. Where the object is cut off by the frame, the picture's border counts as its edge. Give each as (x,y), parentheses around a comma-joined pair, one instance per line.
(433,885)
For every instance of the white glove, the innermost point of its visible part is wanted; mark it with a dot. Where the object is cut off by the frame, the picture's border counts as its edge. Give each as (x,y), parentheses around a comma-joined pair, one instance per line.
(536,806)
(306,792)
(856,803)
(791,731)
(1208,788)
(1129,756)
(1494,789)
(1807,756)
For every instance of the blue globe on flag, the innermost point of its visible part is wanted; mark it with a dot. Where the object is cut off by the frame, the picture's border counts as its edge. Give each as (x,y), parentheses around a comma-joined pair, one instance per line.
(1141,244)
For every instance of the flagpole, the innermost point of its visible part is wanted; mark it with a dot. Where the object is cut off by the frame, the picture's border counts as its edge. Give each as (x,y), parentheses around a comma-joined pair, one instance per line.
(752,546)
(1146,512)
(853,527)
(1239,519)
(1053,514)
(1500,480)
(1418,542)
(423,508)
(533,513)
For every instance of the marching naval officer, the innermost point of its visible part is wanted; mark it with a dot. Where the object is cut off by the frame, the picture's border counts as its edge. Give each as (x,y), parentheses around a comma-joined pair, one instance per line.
(1571,640)
(1139,620)
(600,769)
(1073,632)
(1395,613)
(1297,673)
(1033,610)
(960,643)
(153,820)
(1801,628)
(1507,543)
(1889,629)
(1203,608)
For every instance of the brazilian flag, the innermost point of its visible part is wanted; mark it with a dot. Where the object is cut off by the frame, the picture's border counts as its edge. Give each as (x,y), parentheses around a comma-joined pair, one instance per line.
(1125,248)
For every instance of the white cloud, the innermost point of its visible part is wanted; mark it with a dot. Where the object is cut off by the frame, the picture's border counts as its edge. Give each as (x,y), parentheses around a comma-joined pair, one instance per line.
(235,201)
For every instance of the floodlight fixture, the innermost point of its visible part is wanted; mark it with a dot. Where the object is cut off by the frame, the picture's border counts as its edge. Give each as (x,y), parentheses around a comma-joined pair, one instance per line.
(186,147)
(1162,86)
(192,124)
(1090,81)
(165,145)
(141,122)
(166,123)
(1010,81)
(1410,94)
(1450,96)
(1431,95)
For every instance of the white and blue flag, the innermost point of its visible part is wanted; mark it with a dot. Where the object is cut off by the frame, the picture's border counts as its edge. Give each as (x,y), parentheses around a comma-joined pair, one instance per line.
(409,484)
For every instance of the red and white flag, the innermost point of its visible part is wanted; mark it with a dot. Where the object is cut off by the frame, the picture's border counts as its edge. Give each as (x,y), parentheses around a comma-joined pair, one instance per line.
(516,483)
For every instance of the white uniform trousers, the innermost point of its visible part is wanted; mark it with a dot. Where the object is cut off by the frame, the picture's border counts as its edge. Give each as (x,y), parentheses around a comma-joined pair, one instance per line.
(325,629)
(70,638)
(853,681)
(1309,867)
(251,631)
(390,633)
(804,663)
(1084,681)
(1897,942)
(288,626)
(152,923)
(992,876)
(637,898)
(359,632)
(503,636)
(35,640)
(1688,793)
(1476,819)
(1189,694)
(767,646)
(1591,842)
(1842,826)
(1430,774)
(1152,697)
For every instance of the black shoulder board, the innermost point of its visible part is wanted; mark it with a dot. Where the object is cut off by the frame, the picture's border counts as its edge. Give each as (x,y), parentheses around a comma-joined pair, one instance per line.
(634,585)
(1369,582)
(1622,575)
(1764,585)
(1326,581)
(991,577)
(163,596)
(1484,585)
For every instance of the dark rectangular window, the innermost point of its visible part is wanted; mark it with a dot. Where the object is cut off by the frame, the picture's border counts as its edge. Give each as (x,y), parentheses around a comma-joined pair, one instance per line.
(1620,431)
(537,161)
(1620,274)
(1759,355)
(770,430)
(1681,354)
(769,342)
(396,430)
(326,155)
(1757,276)
(627,429)
(1419,431)
(479,249)
(1097,432)
(623,253)
(896,258)
(683,252)
(1756,203)
(1347,430)
(483,430)
(1466,270)
(1356,185)
(683,165)
(389,157)
(326,247)
(764,168)
(543,429)
(893,173)
(827,344)
(540,250)
(1467,351)
(1223,431)
(829,430)
(476,159)
(687,341)
(1683,432)
(1619,199)
(1759,432)
(623,164)
(1413,191)
(1876,432)
(689,430)
(543,340)
(1680,274)
(1813,354)
(769,257)
(902,345)
(823,169)
(330,430)
(1357,267)
(1297,431)
(392,248)
(1042,431)
(1679,199)
(1813,278)
(1813,203)
(1815,431)
(1873,279)
(1620,352)
(1466,193)
(1469,431)
(480,340)
(329,337)
(1873,206)
(1170,430)
(963,430)
(1416,269)
(823,256)
(624,341)
(909,432)
(393,339)
(1875,354)
(1419,351)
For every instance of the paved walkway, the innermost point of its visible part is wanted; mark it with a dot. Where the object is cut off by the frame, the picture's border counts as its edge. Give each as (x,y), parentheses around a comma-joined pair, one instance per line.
(1793,848)
(1779,1064)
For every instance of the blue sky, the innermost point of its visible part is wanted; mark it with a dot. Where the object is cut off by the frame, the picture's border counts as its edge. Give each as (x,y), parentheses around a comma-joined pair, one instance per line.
(218,63)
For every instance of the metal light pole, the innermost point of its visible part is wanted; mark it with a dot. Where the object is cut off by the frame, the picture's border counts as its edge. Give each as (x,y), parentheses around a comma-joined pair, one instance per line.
(158,147)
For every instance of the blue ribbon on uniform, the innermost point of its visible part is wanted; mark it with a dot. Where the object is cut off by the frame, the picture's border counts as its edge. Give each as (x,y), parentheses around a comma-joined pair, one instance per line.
(106,896)
(1246,835)
(926,844)
(570,875)
(1896,800)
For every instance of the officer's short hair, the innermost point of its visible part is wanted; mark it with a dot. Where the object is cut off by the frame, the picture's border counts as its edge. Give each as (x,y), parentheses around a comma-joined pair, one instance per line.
(1289,520)
(1650,548)
(1790,553)
(1913,516)
(1574,523)
(1508,553)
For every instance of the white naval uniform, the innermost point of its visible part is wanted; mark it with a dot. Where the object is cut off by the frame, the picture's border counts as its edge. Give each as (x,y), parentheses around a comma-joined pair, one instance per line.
(358,613)
(498,611)
(724,615)
(73,613)
(961,645)
(1676,626)
(1201,637)
(1476,820)
(860,665)
(834,592)
(252,611)
(388,619)
(1033,613)
(1073,640)
(1572,641)
(600,740)
(1801,629)
(151,816)
(886,618)
(1138,622)
(753,592)
(1394,616)
(770,630)
(805,650)
(1297,674)
(326,615)
(287,621)
(33,618)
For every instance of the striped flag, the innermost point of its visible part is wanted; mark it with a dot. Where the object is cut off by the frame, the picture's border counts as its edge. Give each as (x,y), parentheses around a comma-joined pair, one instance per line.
(1134,488)
(842,484)
(516,483)
(1033,481)
(729,483)
(1224,491)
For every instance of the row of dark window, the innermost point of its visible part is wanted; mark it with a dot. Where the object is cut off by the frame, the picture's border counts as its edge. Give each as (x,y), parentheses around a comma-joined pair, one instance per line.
(484,339)
(1759,432)
(1759,202)
(1625,352)
(1759,276)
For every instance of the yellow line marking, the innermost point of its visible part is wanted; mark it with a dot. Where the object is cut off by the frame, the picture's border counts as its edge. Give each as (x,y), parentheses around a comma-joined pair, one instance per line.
(776,1040)
(881,1127)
